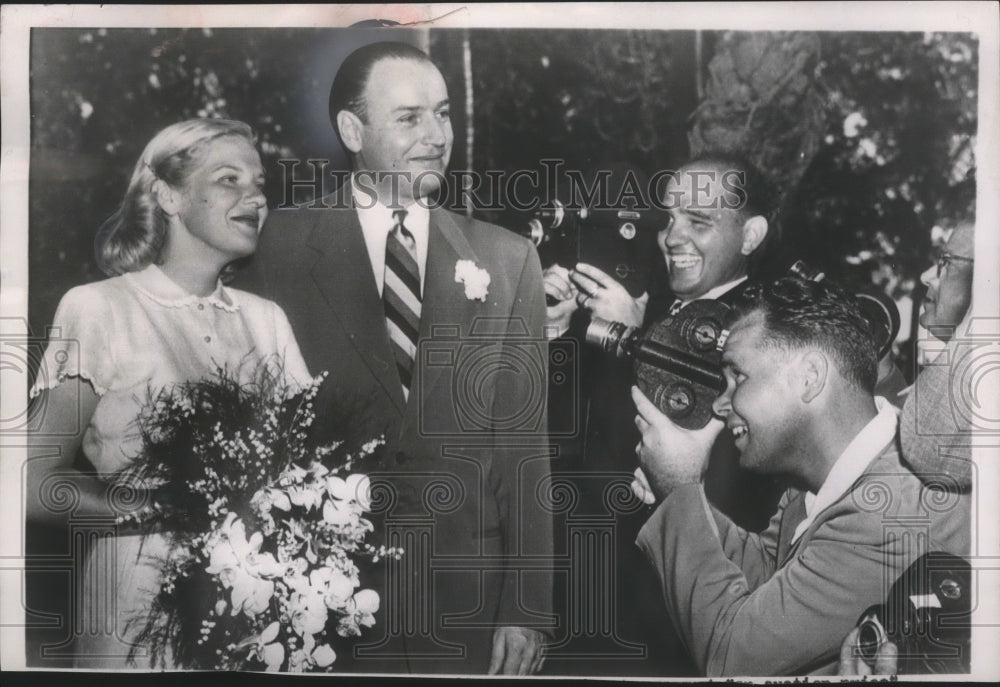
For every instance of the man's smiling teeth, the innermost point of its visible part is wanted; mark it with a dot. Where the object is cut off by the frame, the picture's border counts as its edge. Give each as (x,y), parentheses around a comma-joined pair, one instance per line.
(684,260)
(739,431)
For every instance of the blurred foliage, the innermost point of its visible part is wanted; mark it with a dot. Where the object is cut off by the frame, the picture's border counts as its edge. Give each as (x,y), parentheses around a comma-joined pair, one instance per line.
(586,97)
(761,99)
(878,127)
(897,167)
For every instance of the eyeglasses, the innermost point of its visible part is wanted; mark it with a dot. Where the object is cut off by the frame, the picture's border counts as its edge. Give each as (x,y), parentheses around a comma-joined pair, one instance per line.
(947,259)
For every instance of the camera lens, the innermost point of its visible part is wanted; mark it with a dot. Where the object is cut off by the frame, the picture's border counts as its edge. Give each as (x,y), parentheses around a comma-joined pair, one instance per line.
(871,635)
(950,589)
(702,334)
(609,336)
(677,400)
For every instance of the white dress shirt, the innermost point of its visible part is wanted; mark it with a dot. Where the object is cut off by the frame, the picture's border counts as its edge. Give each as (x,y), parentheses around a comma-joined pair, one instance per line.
(376,223)
(713,294)
(852,463)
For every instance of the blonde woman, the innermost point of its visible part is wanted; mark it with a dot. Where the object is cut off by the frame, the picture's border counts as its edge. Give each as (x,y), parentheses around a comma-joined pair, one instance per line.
(194,205)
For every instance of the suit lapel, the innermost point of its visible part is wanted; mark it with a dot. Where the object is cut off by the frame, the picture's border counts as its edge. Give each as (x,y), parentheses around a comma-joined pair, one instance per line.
(343,274)
(792,518)
(795,513)
(446,310)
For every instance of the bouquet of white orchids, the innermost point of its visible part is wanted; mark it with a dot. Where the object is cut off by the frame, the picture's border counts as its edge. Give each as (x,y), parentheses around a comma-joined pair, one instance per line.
(264,531)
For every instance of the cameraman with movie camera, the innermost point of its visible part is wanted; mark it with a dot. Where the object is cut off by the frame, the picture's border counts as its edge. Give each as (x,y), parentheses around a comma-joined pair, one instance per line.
(716,231)
(800,368)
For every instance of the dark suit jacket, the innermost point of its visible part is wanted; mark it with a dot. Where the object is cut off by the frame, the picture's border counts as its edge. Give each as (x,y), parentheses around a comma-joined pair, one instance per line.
(749,604)
(458,481)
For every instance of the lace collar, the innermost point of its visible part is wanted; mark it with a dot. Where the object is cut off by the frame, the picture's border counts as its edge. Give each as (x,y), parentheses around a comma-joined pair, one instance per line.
(158,287)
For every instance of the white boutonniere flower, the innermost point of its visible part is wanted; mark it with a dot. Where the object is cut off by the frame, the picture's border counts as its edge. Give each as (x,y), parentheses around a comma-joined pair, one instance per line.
(475,279)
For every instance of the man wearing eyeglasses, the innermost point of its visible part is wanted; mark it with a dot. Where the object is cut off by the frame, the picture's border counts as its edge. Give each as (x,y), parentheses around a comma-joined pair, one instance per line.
(935,439)
(935,435)
(949,285)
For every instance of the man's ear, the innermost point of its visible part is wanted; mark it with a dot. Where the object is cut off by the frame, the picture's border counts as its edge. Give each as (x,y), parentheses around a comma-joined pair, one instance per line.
(813,368)
(349,125)
(754,232)
(166,197)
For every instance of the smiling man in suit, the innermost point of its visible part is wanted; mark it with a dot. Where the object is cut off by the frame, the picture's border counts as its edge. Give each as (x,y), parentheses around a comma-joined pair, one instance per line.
(800,369)
(430,327)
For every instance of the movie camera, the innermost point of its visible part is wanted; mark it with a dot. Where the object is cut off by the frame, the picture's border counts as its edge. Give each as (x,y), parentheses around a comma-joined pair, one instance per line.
(615,232)
(678,359)
(926,615)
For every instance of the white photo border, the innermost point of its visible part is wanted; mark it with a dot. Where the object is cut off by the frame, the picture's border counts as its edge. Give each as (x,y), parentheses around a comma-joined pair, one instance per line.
(16,22)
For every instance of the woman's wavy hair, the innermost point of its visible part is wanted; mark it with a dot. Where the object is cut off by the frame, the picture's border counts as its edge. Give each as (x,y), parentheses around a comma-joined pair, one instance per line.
(133,237)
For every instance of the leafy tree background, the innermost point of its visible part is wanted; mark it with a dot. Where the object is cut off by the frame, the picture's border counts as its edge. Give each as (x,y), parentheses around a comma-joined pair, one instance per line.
(869,135)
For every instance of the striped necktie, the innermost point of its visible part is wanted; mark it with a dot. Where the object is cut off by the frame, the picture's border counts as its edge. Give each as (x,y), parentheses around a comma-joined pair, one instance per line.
(401,297)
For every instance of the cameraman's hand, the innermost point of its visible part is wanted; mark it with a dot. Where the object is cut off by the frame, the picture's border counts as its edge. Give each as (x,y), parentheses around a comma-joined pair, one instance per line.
(606,298)
(557,284)
(670,455)
(851,662)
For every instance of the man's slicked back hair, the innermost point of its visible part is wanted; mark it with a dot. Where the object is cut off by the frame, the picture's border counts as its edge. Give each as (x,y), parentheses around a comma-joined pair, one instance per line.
(348,89)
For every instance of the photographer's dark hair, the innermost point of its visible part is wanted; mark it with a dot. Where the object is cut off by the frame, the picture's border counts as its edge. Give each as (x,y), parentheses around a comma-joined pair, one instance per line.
(348,89)
(801,313)
(762,198)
